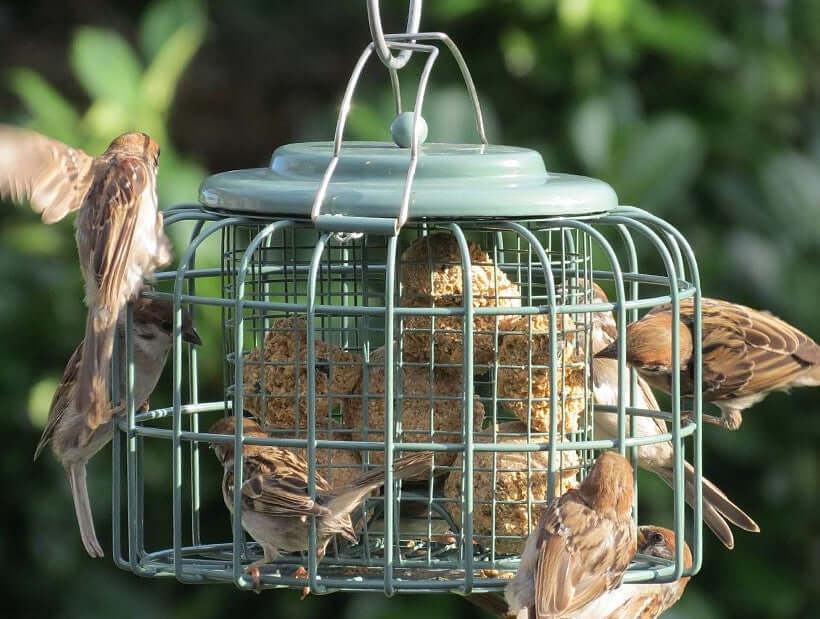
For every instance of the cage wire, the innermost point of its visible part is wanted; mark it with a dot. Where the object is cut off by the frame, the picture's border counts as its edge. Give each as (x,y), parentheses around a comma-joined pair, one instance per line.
(356,339)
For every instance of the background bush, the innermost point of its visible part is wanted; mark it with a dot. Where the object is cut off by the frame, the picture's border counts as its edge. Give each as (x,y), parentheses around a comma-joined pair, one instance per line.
(705,113)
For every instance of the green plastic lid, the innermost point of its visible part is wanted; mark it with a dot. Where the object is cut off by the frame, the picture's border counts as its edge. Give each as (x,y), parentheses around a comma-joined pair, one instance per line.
(451,181)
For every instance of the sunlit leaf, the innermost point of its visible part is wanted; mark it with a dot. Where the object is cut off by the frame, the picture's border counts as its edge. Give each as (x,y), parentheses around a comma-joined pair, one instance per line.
(163,18)
(105,64)
(163,74)
(51,113)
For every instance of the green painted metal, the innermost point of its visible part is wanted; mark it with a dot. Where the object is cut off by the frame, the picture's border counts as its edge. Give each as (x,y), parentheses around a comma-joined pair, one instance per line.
(451,180)
(541,254)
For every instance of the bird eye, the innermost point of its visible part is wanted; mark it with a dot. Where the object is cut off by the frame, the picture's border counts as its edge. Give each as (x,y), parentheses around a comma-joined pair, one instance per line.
(656,538)
(167,326)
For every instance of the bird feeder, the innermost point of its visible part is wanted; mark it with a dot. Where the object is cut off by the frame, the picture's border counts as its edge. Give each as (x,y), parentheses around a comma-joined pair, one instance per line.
(378,299)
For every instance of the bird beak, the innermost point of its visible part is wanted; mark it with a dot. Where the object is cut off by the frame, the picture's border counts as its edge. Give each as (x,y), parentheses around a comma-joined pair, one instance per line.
(610,352)
(192,337)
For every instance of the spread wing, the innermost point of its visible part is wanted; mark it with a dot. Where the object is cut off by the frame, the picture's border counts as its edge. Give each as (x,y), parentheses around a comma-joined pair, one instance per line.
(107,231)
(62,398)
(581,556)
(52,176)
(277,485)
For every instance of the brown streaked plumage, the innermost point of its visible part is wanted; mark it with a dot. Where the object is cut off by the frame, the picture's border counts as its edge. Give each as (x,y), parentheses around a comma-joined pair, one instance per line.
(642,600)
(746,354)
(120,237)
(120,241)
(67,431)
(53,177)
(581,547)
(659,457)
(275,500)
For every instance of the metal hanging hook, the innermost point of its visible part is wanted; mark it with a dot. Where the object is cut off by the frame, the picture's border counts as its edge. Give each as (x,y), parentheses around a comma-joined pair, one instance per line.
(377,33)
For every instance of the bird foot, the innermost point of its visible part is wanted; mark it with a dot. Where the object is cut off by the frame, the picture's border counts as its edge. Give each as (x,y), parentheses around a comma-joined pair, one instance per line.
(730,423)
(256,576)
(301,572)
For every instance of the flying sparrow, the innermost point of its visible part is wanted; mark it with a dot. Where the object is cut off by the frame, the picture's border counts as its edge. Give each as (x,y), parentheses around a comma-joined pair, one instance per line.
(746,354)
(120,238)
(581,547)
(275,500)
(644,600)
(67,430)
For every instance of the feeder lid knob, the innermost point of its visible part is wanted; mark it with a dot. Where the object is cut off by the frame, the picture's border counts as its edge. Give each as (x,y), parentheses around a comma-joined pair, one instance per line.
(402,130)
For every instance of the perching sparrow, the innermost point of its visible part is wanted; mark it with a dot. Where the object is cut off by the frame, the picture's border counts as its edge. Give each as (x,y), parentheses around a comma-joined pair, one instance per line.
(642,600)
(581,547)
(275,500)
(746,354)
(659,457)
(120,238)
(67,430)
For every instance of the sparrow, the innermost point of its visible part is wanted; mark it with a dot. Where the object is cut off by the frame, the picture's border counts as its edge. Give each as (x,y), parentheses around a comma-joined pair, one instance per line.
(642,600)
(581,547)
(746,354)
(120,237)
(67,430)
(276,504)
(657,458)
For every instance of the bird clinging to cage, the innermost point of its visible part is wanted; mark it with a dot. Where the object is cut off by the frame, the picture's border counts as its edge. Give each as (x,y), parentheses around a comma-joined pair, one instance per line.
(67,430)
(276,378)
(658,458)
(423,393)
(275,500)
(523,381)
(431,276)
(644,600)
(120,236)
(746,354)
(582,545)
(502,497)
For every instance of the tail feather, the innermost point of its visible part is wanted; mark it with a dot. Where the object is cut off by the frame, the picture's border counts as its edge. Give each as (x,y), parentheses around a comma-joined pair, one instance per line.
(717,507)
(92,381)
(82,509)
(409,466)
(492,603)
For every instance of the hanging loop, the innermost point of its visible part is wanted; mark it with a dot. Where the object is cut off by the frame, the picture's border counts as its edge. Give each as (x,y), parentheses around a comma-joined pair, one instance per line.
(377,33)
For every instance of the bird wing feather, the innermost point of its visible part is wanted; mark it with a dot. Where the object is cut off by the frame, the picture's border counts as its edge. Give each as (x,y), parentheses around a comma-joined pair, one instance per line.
(581,555)
(114,204)
(62,398)
(279,489)
(52,176)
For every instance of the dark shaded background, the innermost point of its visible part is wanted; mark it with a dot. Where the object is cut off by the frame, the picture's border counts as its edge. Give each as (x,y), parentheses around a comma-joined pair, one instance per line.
(705,113)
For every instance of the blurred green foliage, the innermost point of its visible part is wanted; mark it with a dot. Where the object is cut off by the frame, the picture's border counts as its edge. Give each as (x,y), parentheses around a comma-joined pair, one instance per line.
(705,113)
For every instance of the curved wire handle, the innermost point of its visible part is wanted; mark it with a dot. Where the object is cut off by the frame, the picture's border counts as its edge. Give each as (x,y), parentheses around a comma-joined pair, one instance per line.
(377,33)
(395,41)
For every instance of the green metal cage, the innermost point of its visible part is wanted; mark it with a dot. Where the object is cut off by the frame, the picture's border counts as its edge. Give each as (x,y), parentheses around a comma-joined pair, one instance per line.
(376,300)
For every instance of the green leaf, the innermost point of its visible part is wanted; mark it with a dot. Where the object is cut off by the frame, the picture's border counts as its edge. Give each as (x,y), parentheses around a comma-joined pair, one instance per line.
(51,113)
(591,129)
(105,64)
(163,74)
(659,163)
(163,18)
(682,34)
